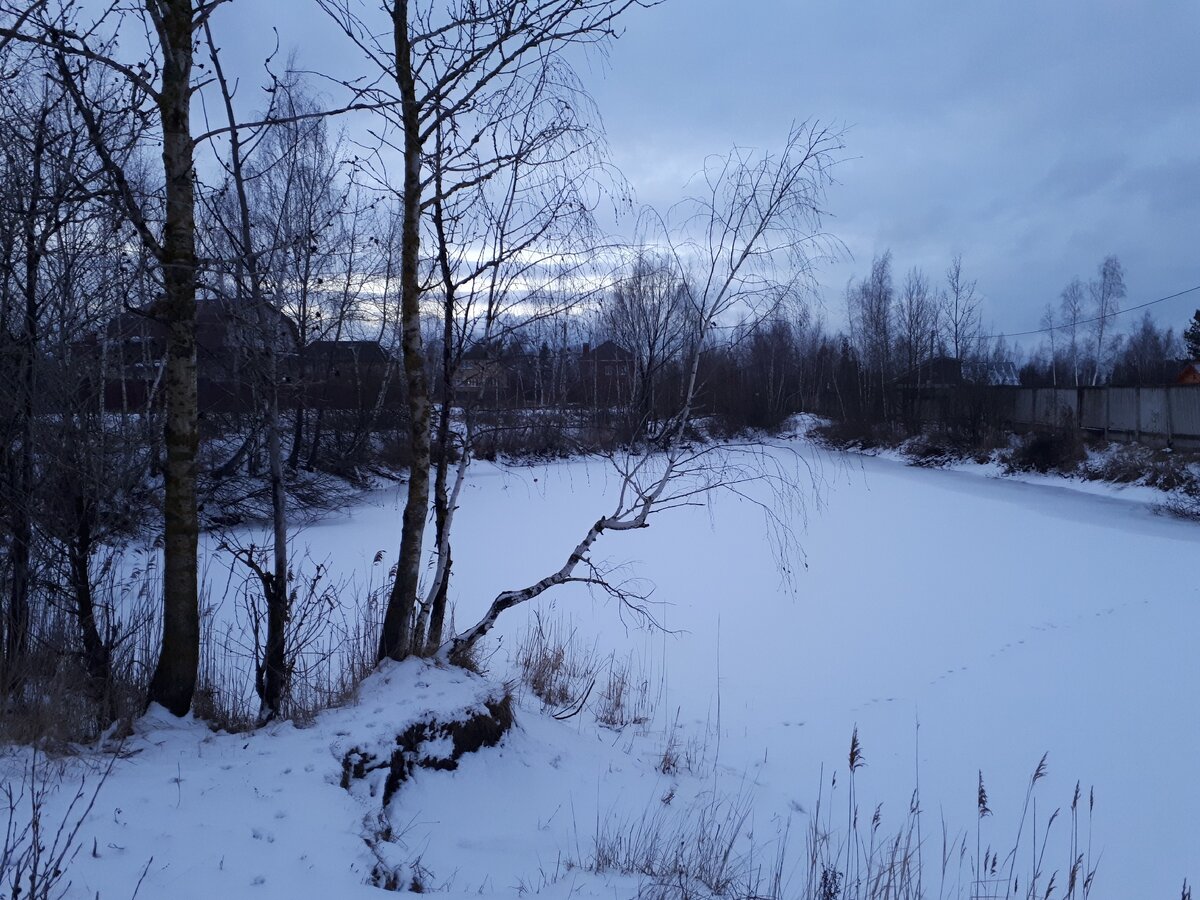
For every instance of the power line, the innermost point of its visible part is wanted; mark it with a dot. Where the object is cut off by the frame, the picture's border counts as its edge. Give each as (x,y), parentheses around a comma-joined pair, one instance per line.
(1094,319)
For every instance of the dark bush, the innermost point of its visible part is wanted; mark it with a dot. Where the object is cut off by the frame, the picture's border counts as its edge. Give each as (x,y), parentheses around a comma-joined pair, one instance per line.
(1047,451)
(929,453)
(856,435)
(1162,469)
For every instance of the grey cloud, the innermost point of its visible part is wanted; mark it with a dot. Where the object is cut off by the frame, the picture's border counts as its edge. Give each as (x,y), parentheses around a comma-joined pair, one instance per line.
(1034,137)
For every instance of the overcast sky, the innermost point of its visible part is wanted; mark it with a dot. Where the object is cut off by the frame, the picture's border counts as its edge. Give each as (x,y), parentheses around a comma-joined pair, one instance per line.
(1032,137)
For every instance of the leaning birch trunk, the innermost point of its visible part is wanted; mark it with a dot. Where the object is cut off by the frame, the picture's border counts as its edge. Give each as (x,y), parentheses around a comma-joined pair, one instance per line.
(758,209)
(631,512)
(625,518)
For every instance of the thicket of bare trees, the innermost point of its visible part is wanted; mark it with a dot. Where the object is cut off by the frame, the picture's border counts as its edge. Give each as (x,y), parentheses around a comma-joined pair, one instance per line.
(1087,343)
(903,343)
(72,479)
(103,290)
(204,295)
(897,335)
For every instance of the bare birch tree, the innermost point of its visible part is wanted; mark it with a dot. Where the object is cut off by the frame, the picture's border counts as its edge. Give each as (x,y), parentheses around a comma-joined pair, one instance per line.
(1050,324)
(749,240)
(249,257)
(1071,307)
(647,313)
(454,72)
(960,311)
(1106,292)
(916,320)
(870,306)
(496,250)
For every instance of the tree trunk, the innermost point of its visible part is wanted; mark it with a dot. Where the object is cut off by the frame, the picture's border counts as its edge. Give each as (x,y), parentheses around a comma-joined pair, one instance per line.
(275,654)
(441,499)
(96,657)
(16,632)
(271,676)
(293,459)
(396,638)
(174,679)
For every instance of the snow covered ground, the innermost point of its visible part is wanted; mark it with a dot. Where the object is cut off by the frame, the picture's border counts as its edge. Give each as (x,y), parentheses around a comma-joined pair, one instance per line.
(963,624)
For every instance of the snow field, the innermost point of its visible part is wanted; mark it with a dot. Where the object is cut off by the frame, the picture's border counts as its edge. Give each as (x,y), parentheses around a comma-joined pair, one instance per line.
(963,624)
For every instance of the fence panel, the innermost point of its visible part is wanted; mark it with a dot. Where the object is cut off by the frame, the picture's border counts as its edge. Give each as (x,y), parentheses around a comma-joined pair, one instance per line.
(1052,408)
(1153,413)
(1023,406)
(1093,412)
(1123,409)
(1184,406)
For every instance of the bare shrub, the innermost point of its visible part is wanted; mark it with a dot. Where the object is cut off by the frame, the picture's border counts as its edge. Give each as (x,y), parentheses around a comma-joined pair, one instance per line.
(929,454)
(856,435)
(1183,505)
(946,446)
(697,854)
(553,663)
(540,434)
(627,697)
(1164,469)
(37,850)
(332,639)
(708,850)
(61,700)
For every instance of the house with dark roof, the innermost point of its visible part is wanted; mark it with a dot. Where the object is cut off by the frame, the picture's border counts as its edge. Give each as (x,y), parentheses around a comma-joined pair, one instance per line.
(347,375)
(232,340)
(331,360)
(606,374)
(935,372)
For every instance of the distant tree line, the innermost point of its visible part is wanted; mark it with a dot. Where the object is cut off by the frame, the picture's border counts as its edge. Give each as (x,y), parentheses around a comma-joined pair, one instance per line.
(1085,344)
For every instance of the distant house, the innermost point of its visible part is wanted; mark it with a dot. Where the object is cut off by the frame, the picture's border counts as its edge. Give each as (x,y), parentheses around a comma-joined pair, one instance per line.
(606,374)
(1190,374)
(231,348)
(936,372)
(986,371)
(230,339)
(346,375)
(940,372)
(328,360)
(480,378)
